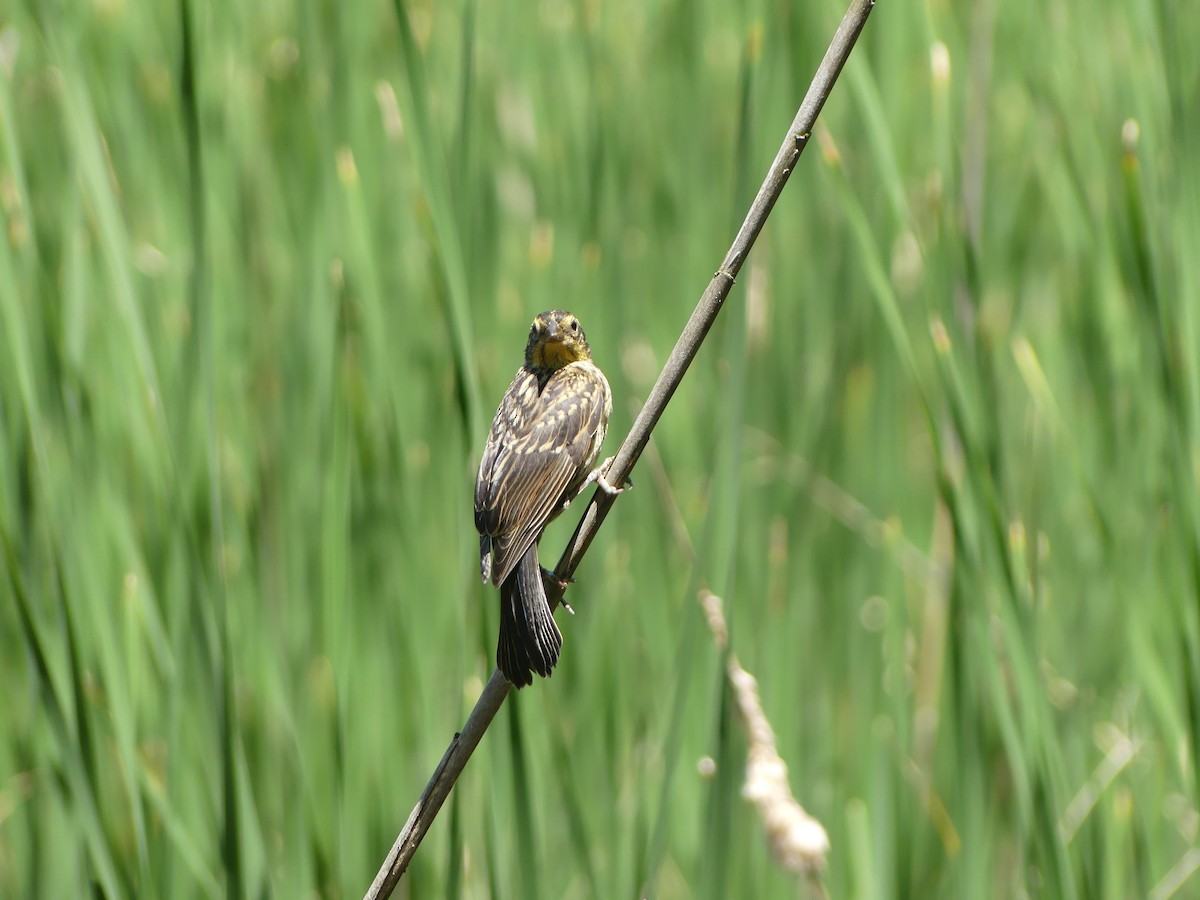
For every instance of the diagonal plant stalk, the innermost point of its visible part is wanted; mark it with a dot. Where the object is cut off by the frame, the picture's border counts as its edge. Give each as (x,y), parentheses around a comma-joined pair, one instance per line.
(464,743)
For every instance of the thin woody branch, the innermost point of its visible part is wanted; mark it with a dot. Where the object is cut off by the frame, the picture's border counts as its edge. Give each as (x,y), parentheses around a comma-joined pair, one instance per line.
(686,348)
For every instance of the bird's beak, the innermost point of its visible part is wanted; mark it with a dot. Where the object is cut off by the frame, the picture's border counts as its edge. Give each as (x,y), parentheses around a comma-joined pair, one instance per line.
(551,329)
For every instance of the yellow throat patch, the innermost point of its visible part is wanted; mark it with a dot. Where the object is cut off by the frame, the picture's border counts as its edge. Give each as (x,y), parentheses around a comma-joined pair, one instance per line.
(556,354)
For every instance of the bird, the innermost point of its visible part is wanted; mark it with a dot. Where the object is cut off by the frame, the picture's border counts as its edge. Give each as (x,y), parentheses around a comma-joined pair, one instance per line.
(545,437)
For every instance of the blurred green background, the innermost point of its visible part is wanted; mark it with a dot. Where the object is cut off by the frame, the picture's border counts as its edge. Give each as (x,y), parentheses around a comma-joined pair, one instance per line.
(267,269)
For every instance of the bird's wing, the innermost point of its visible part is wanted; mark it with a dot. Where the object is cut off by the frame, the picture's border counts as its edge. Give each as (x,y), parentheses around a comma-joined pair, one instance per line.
(539,447)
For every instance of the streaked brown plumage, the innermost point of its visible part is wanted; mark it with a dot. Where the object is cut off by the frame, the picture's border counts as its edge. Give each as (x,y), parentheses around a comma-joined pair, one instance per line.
(544,440)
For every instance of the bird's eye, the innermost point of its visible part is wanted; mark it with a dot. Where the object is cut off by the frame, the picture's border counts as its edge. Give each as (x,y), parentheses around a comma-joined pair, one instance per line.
(574,324)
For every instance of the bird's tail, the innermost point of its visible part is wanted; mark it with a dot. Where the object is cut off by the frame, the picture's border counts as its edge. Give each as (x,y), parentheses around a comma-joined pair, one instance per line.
(529,637)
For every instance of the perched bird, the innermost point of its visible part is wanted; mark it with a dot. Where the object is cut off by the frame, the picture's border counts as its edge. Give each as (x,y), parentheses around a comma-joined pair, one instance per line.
(539,455)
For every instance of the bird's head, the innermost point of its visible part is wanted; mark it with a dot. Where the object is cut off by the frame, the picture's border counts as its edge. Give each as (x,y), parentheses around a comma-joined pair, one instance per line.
(556,339)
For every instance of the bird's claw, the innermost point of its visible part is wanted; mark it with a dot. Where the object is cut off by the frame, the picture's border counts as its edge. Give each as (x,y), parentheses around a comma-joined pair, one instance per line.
(603,484)
(597,476)
(561,584)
